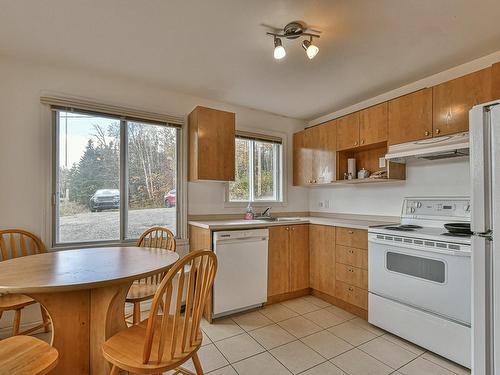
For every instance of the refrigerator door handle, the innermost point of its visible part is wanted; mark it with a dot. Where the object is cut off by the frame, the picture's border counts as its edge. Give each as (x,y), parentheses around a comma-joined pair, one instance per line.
(481,306)
(480,167)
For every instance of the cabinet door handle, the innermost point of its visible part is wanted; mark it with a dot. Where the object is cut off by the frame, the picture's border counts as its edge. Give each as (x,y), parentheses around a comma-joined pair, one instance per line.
(362,141)
(356,143)
(350,289)
(293,228)
(314,181)
(427,133)
(287,228)
(351,251)
(438,131)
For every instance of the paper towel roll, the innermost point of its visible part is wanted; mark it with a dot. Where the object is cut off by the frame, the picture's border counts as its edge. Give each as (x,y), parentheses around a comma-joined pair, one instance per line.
(351,167)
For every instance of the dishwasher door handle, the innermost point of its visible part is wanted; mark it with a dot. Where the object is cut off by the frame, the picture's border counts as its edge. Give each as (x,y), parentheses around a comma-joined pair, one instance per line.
(240,240)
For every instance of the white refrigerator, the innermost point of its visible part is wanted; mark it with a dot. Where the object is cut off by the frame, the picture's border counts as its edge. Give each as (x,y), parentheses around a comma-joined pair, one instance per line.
(484,127)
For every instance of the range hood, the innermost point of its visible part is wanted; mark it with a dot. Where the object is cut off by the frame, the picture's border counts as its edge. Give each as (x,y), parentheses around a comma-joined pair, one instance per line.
(447,146)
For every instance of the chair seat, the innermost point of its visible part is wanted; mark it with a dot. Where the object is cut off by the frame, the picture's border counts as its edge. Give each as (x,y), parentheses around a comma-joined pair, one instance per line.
(141,292)
(23,355)
(14,301)
(126,347)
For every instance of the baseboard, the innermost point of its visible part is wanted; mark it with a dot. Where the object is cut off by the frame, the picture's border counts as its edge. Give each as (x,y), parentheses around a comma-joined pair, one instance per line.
(290,295)
(342,304)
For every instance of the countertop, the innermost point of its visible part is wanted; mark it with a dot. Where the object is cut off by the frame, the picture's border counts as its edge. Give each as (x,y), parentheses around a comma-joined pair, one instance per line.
(353,222)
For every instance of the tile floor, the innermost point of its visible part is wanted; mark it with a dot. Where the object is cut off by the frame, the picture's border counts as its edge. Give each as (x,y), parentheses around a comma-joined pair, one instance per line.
(309,336)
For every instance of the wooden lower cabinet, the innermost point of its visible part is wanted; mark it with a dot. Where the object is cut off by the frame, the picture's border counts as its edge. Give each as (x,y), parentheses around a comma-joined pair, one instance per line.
(278,268)
(351,255)
(288,259)
(352,294)
(322,258)
(352,275)
(339,266)
(299,257)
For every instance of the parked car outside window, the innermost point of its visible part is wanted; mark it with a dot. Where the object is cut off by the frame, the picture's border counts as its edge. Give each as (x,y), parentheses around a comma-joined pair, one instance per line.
(105,199)
(170,198)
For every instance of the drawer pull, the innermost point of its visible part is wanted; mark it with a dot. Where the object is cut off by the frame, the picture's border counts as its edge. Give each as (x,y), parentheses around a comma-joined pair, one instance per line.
(350,270)
(350,232)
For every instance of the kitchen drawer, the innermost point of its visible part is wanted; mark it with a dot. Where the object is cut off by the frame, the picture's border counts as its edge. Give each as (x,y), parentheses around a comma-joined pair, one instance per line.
(352,256)
(352,237)
(351,294)
(352,275)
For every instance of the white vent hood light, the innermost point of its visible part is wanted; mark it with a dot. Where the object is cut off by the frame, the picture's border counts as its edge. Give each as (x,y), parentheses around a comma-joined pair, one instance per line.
(447,146)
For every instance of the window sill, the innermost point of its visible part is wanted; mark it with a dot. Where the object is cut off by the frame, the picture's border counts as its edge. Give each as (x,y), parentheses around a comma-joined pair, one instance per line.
(130,243)
(255,204)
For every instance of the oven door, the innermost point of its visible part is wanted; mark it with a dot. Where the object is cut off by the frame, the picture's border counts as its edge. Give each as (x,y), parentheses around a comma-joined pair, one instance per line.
(433,281)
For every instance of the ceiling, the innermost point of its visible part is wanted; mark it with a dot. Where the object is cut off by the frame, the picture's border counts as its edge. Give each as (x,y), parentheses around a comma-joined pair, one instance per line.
(218,49)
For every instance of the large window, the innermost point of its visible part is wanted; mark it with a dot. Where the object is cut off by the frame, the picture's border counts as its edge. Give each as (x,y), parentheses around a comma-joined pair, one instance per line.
(258,170)
(114,177)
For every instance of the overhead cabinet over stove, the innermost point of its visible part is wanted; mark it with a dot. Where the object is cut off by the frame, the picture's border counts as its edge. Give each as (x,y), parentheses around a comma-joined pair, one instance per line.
(367,134)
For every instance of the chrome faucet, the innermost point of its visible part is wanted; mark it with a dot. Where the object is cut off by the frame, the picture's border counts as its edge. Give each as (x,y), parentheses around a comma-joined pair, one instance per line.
(266,212)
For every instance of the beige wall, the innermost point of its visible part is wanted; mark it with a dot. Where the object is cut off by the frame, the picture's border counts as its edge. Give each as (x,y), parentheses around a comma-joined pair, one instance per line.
(25,137)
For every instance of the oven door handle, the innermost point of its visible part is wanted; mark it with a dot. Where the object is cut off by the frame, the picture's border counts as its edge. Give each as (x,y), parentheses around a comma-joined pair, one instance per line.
(417,248)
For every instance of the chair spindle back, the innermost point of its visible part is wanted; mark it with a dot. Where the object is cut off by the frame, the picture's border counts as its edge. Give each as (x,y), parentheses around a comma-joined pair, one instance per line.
(158,237)
(177,332)
(15,243)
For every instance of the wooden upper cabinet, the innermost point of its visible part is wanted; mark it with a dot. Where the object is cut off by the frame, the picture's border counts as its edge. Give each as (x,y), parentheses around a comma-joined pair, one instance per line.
(302,159)
(410,117)
(373,124)
(322,252)
(453,100)
(348,131)
(495,81)
(211,144)
(299,257)
(278,267)
(322,140)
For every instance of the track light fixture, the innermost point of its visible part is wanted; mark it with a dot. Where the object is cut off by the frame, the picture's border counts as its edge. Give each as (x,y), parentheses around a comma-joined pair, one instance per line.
(279,50)
(311,49)
(294,30)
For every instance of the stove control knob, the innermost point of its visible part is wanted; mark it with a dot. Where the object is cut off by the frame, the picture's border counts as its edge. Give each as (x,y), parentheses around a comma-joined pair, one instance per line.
(412,209)
(467,207)
(419,204)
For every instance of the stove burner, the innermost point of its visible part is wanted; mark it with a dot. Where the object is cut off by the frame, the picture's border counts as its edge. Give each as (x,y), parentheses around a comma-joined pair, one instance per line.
(467,235)
(410,226)
(401,228)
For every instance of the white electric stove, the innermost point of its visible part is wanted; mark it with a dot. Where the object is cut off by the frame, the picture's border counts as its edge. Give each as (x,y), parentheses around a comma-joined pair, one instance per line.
(420,276)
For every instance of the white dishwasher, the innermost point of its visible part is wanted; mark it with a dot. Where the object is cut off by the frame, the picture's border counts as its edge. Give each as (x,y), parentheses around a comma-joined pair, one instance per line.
(241,280)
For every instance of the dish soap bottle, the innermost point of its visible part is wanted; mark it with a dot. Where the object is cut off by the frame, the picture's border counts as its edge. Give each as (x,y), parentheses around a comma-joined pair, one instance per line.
(249,215)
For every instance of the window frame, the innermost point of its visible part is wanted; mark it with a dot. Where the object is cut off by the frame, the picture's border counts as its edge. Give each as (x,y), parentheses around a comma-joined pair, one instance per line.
(124,209)
(282,181)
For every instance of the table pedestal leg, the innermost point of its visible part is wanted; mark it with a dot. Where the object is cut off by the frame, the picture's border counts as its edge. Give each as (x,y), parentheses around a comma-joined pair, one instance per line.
(81,322)
(70,315)
(107,317)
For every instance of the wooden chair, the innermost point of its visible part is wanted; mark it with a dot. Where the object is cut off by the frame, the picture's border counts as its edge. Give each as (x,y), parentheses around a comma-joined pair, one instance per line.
(23,355)
(145,289)
(164,342)
(16,243)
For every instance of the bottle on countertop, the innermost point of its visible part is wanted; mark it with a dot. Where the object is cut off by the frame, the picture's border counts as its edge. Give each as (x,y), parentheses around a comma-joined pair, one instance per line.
(249,214)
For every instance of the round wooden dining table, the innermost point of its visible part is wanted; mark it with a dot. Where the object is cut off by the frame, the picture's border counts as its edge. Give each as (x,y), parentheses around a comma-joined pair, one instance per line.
(84,293)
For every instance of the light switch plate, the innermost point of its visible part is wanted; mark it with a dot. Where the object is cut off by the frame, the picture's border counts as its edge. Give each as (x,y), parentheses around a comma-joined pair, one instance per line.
(381,162)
